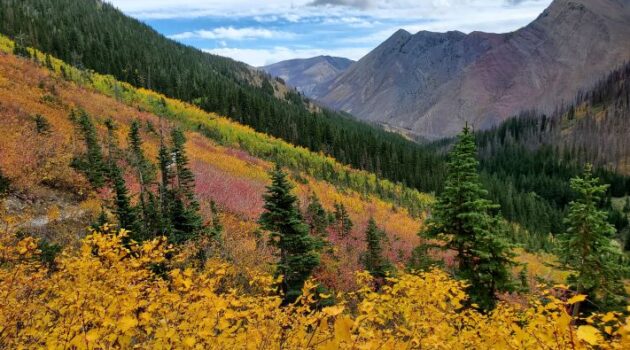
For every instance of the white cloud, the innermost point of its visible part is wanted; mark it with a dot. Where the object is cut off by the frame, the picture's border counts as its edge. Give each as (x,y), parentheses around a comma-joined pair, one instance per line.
(299,10)
(231,33)
(263,57)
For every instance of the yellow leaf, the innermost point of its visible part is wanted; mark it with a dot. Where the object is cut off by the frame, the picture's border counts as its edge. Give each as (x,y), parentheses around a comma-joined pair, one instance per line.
(333,310)
(576,299)
(91,335)
(588,334)
(189,341)
(608,317)
(343,325)
(126,323)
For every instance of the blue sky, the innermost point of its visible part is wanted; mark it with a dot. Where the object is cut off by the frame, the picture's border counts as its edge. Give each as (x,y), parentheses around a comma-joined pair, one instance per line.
(261,32)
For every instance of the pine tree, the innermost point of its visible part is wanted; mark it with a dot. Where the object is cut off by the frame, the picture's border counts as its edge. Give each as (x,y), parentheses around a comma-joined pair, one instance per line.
(466,222)
(164,203)
(91,163)
(588,249)
(316,217)
(373,260)
(343,221)
(48,62)
(125,212)
(4,184)
(185,218)
(144,169)
(288,233)
(42,126)
(216,228)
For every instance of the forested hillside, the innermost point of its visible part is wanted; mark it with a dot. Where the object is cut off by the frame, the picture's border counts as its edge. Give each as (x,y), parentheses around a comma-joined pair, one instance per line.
(92,34)
(529,159)
(197,241)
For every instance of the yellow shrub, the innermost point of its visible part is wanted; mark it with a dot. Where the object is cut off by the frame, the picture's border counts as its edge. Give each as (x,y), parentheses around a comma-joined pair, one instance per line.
(111,295)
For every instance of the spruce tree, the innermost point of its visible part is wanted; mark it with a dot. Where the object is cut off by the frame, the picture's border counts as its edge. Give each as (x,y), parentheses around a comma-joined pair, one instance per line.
(125,212)
(373,260)
(467,223)
(588,249)
(42,126)
(165,200)
(144,169)
(343,222)
(216,228)
(185,218)
(288,232)
(316,217)
(91,163)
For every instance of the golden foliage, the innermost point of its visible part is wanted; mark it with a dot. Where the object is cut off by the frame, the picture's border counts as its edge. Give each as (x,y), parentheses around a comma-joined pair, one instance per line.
(111,295)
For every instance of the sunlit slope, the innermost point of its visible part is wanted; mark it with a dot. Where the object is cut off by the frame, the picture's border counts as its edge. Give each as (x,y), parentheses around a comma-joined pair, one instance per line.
(230,163)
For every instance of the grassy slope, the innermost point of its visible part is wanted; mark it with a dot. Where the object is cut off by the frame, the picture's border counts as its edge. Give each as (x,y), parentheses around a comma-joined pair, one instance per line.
(55,201)
(230,162)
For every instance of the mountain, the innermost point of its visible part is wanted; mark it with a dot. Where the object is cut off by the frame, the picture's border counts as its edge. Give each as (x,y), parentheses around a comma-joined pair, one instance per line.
(308,75)
(431,84)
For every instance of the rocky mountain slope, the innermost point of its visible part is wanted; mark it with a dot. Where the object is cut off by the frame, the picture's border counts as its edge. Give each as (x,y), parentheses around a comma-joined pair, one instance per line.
(430,84)
(311,74)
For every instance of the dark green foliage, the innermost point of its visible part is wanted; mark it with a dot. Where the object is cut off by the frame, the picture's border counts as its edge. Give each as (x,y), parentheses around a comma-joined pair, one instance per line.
(626,206)
(48,253)
(185,218)
(469,224)
(125,212)
(588,248)
(20,48)
(523,277)
(100,220)
(145,169)
(48,62)
(374,260)
(421,259)
(4,184)
(343,223)
(216,228)
(42,126)
(317,218)
(287,232)
(91,163)
(163,206)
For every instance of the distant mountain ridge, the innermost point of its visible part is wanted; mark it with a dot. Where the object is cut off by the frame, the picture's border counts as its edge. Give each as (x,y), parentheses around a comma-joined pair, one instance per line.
(430,84)
(308,75)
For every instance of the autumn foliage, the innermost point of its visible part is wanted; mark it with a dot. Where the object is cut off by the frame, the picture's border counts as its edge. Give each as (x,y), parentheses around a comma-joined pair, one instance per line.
(107,295)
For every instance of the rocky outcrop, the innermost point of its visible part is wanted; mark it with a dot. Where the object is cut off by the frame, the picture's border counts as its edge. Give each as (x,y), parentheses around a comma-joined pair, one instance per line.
(430,84)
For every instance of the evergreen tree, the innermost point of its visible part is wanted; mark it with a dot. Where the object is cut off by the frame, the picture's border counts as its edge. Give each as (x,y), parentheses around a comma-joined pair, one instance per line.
(316,217)
(216,228)
(343,222)
(42,126)
(48,62)
(144,169)
(588,249)
(125,212)
(373,260)
(100,220)
(4,184)
(466,222)
(288,233)
(91,163)
(185,218)
(162,206)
